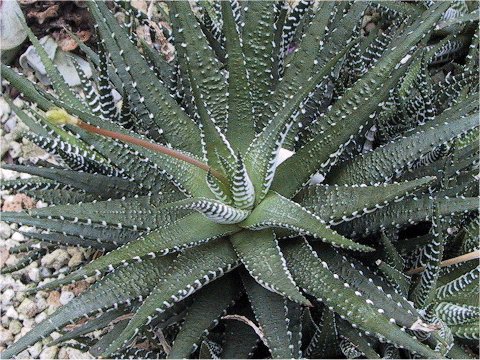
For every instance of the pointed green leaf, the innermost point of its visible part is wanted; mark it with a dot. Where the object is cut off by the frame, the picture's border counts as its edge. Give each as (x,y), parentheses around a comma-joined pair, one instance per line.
(59,196)
(406,9)
(240,122)
(357,104)
(317,45)
(141,213)
(74,157)
(40,126)
(466,331)
(209,350)
(32,184)
(62,239)
(432,255)
(91,325)
(391,255)
(385,162)
(466,283)
(177,128)
(124,284)
(208,305)
(304,265)
(261,255)
(258,37)
(30,90)
(294,313)
(270,313)
(190,231)
(453,314)
(395,278)
(88,231)
(106,339)
(113,187)
(108,109)
(269,141)
(304,61)
(26,260)
(358,339)
(190,271)
(342,203)
(154,170)
(459,352)
(240,340)
(201,62)
(408,211)
(277,211)
(367,285)
(324,343)
(243,192)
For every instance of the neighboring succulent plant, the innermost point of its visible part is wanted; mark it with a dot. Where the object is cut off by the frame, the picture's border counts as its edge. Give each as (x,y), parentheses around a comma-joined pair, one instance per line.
(290,268)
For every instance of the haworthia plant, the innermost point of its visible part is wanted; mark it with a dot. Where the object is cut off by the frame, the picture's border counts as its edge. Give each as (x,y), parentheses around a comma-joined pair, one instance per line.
(211,246)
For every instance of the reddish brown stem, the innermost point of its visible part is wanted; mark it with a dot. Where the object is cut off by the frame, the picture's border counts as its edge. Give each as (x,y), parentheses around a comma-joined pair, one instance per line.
(148,145)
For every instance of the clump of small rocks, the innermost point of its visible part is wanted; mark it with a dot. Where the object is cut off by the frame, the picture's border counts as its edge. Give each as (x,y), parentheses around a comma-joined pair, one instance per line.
(21,311)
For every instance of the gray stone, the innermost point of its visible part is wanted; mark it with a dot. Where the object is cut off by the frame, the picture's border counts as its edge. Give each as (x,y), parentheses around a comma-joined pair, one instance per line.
(5,230)
(62,353)
(15,327)
(7,281)
(13,33)
(40,317)
(63,62)
(11,313)
(34,274)
(55,335)
(9,243)
(10,124)
(44,272)
(12,259)
(50,352)
(35,350)
(28,308)
(18,236)
(75,260)
(66,297)
(75,354)
(26,228)
(41,303)
(40,204)
(5,336)
(7,296)
(28,324)
(8,174)
(15,149)
(55,259)
(5,321)
(20,295)
(23,355)
(4,110)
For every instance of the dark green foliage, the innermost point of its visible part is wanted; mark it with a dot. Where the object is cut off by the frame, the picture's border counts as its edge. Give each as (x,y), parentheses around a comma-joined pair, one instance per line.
(307,258)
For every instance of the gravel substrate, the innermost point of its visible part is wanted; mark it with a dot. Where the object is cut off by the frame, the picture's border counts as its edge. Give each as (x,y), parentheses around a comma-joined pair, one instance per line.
(20,312)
